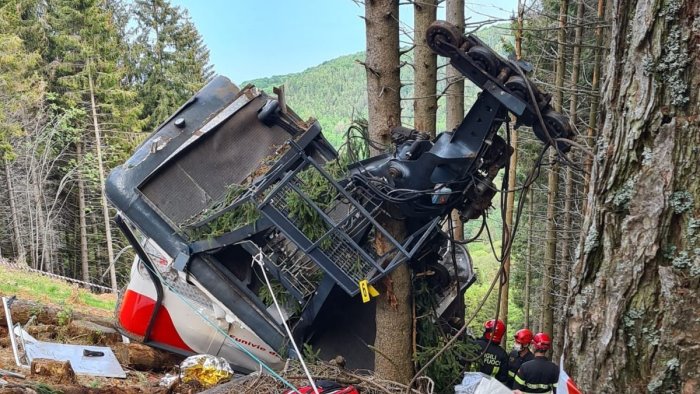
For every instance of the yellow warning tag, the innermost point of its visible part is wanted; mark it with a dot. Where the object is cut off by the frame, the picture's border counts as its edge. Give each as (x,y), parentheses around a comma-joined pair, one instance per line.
(367,291)
(364,290)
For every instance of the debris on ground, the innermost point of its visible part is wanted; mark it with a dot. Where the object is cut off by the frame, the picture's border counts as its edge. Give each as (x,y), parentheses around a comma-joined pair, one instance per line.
(206,369)
(363,381)
(148,370)
(325,387)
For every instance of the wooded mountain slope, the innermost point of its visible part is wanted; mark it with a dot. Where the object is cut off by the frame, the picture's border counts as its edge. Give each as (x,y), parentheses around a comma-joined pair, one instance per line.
(335,91)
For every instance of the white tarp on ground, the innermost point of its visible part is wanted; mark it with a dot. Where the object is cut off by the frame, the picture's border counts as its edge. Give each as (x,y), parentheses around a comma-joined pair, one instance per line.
(478,383)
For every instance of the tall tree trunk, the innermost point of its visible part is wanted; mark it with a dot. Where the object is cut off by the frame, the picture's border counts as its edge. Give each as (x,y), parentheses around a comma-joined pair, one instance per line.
(510,200)
(568,229)
(103,199)
(634,323)
(425,65)
(528,267)
(508,228)
(550,255)
(85,267)
(519,30)
(393,359)
(31,220)
(383,70)
(40,229)
(595,87)
(550,251)
(14,217)
(454,103)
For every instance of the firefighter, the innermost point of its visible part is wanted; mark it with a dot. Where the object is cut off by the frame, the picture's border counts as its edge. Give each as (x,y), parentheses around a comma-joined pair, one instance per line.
(538,375)
(494,360)
(521,353)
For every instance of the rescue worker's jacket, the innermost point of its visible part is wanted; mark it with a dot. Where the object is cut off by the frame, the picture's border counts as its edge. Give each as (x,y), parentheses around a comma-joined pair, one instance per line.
(494,361)
(515,360)
(537,376)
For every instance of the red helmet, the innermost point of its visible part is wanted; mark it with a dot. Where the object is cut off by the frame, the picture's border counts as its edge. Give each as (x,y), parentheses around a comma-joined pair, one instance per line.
(523,337)
(542,341)
(494,330)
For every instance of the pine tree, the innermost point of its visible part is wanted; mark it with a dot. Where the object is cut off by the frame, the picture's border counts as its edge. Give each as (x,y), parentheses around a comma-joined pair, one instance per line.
(394,307)
(170,60)
(21,91)
(85,48)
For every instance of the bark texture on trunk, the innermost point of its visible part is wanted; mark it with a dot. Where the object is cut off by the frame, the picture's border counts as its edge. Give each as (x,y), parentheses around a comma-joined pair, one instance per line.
(393,358)
(144,358)
(454,100)
(383,69)
(425,66)
(393,341)
(634,317)
(591,130)
(455,90)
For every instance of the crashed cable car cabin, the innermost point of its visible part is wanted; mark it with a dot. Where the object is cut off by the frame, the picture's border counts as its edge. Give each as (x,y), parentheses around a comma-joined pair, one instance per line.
(234,183)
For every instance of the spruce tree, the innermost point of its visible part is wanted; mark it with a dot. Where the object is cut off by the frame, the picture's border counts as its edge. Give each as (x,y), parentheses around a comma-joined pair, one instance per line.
(170,60)
(21,91)
(87,83)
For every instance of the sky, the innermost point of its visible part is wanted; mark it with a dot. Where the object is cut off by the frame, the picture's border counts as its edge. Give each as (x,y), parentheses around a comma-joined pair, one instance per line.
(249,39)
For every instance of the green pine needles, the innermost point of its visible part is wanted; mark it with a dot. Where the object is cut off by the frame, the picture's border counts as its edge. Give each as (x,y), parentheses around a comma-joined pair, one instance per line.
(447,370)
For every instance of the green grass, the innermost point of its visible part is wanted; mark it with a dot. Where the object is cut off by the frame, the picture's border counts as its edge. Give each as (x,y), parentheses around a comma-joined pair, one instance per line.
(32,286)
(89,299)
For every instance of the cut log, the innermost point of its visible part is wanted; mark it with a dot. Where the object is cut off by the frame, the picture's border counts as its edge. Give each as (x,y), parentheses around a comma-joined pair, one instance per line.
(23,310)
(59,372)
(145,358)
(93,333)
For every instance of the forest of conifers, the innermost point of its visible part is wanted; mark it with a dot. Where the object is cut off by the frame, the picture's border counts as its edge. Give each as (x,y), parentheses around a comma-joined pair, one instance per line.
(82,83)
(77,76)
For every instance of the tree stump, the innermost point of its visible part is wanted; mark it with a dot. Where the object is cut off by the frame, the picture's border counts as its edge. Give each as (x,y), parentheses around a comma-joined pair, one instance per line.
(59,372)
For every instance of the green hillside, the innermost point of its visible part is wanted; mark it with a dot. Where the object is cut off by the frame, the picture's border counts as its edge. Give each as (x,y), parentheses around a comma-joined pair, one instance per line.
(334,92)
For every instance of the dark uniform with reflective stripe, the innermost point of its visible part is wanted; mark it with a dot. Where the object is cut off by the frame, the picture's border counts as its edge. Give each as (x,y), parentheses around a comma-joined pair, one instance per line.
(515,360)
(537,376)
(494,361)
